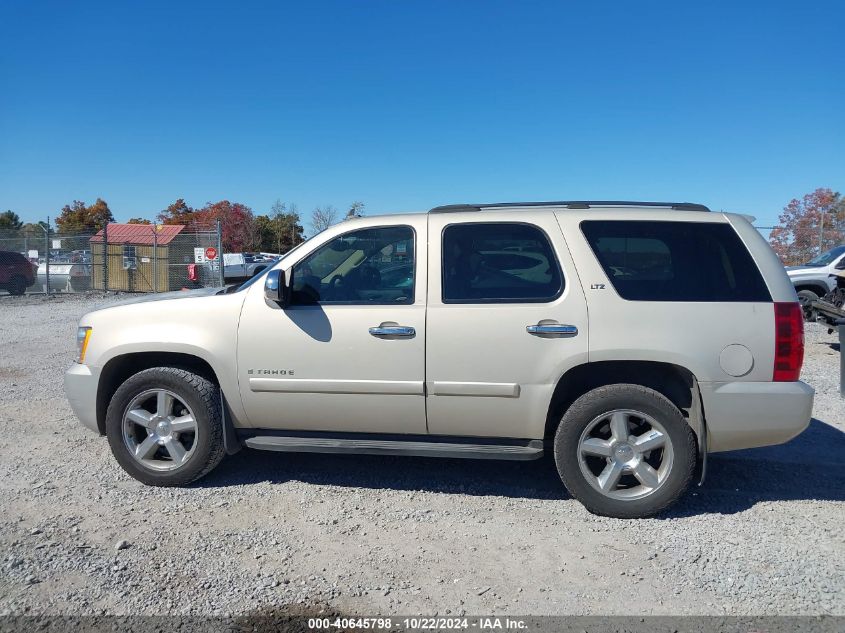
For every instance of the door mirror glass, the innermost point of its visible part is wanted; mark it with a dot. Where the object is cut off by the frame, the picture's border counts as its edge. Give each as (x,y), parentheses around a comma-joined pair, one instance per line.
(276,287)
(272,284)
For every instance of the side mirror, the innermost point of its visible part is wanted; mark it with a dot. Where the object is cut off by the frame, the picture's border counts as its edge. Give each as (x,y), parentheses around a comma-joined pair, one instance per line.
(277,287)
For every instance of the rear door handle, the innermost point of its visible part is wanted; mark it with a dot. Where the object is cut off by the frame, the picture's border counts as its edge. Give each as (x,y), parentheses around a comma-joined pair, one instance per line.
(393,330)
(556,328)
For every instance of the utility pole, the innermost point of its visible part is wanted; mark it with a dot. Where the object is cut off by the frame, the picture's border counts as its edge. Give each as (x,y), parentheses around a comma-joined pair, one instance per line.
(155,258)
(47,255)
(106,257)
(220,252)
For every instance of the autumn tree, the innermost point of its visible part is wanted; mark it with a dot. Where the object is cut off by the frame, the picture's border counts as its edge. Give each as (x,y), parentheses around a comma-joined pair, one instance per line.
(237,224)
(72,215)
(138,221)
(809,226)
(177,213)
(77,216)
(9,220)
(323,217)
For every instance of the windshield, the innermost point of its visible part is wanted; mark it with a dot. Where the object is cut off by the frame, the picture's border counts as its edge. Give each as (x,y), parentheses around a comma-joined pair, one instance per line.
(826,258)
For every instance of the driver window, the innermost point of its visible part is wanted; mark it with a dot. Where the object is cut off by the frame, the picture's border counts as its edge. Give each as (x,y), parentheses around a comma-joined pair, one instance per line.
(370,266)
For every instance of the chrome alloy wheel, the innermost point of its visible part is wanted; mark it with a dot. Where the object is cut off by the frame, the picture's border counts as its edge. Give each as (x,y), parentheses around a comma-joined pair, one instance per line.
(159,429)
(625,454)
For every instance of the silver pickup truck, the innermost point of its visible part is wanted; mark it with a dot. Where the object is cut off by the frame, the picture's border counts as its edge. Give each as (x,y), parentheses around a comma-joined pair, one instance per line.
(628,339)
(242,266)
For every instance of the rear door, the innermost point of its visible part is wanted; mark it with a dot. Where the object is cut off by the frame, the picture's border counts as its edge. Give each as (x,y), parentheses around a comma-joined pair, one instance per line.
(506,318)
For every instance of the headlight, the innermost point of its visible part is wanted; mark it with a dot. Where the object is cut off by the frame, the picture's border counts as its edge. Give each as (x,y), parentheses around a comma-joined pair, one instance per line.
(83,334)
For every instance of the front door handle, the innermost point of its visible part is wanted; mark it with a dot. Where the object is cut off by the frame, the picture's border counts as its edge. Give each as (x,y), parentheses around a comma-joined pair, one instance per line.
(393,330)
(552,328)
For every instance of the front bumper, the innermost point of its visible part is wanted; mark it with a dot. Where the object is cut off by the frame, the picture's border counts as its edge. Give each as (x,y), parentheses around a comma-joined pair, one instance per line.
(81,391)
(751,414)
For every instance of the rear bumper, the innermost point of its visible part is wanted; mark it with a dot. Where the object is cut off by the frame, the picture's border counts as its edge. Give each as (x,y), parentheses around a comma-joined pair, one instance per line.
(750,414)
(81,391)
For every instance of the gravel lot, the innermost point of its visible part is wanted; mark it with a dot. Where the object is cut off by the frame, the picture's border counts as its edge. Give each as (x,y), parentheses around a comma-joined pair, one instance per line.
(394,535)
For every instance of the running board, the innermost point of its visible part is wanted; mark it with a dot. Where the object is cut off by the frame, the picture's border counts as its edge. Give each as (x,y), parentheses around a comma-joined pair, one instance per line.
(532,449)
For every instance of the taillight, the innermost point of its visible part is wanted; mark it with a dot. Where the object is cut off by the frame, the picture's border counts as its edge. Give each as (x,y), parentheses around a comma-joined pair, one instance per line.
(789,342)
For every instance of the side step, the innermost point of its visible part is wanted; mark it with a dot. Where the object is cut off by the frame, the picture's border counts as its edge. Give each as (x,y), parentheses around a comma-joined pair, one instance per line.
(531,449)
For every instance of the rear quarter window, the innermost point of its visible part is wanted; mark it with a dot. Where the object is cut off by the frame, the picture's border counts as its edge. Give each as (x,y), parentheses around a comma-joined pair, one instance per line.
(675,261)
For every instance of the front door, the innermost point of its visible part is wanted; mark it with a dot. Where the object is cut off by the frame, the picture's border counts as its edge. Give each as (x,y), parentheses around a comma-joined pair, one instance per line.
(507,317)
(349,354)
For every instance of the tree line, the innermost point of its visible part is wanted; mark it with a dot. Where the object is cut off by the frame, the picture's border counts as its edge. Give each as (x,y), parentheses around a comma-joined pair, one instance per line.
(277,231)
(807,226)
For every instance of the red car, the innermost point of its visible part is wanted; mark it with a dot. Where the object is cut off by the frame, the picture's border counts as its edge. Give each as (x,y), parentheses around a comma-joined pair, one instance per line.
(16,272)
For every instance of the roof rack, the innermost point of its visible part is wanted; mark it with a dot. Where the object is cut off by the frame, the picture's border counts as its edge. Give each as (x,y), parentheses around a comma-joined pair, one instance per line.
(572,204)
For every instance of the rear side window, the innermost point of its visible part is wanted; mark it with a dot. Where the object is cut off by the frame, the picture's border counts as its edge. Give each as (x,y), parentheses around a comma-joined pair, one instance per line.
(675,261)
(501,262)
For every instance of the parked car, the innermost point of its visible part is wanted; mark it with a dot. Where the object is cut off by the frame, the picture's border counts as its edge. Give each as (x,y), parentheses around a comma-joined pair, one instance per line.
(654,335)
(815,279)
(16,273)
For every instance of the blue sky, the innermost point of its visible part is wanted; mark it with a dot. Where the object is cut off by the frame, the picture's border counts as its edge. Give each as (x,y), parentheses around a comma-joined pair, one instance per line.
(408,105)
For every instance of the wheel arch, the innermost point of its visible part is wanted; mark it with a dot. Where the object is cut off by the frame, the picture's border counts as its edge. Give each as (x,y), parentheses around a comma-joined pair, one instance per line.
(818,288)
(677,383)
(118,369)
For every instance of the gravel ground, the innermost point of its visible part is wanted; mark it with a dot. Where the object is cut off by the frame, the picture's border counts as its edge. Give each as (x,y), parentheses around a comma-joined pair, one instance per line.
(394,535)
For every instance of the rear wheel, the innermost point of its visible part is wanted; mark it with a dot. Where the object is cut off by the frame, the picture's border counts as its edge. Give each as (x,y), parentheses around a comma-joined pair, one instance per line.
(625,451)
(164,426)
(806,298)
(16,285)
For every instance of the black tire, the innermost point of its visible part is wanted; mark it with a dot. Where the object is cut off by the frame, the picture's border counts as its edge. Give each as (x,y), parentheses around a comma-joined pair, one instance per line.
(16,286)
(806,298)
(603,400)
(202,397)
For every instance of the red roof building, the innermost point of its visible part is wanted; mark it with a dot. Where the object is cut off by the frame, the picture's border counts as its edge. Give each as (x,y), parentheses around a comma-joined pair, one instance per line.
(139,234)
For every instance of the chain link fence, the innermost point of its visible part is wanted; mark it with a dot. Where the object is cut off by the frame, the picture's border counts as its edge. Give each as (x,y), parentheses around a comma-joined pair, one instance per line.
(118,258)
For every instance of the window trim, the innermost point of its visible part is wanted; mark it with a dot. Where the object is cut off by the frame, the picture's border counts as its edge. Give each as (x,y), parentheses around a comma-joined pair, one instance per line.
(361,303)
(545,235)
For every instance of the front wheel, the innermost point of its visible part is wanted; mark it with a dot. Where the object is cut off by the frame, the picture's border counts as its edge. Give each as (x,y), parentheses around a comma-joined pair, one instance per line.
(164,426)
(625,451)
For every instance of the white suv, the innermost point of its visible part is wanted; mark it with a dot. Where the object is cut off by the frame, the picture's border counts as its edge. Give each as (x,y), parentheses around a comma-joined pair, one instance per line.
(629,339)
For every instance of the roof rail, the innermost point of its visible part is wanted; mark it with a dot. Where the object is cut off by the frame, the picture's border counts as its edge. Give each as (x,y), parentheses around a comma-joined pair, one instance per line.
(572,204)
